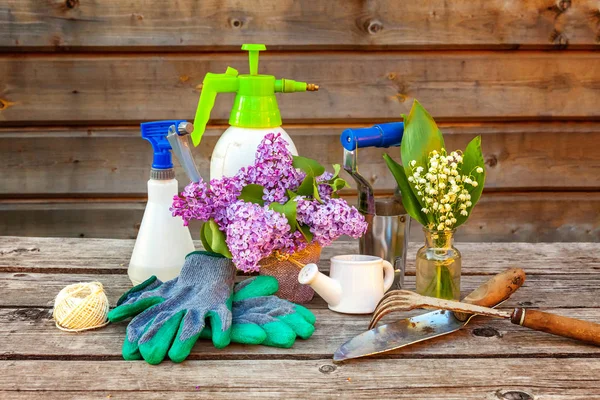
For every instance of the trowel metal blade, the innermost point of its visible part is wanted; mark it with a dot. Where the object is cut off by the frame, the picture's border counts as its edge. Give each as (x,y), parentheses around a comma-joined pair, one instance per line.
(399,334)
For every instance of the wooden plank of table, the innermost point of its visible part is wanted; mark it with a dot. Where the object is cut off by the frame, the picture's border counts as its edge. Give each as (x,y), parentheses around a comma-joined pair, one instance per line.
(540,378)
(498,217)
(30,333)
(116,25)
(454,393)
(111,256)
(367,87)
(115,161)
(19,289)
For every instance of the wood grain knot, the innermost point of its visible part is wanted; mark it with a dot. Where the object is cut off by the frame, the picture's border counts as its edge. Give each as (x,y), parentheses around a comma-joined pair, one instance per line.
(327,368)
(517,281)
(491,160)
(236,23)
(72,3)
(373,26)
(4,104)
(486,332)
(514,395)
(30,314)
(563,5)
(20,250)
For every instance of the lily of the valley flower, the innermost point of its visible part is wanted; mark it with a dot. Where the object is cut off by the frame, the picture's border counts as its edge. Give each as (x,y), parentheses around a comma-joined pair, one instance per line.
(443,188)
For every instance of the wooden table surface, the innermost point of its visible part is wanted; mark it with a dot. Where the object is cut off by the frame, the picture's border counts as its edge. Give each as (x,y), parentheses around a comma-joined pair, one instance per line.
(488,359)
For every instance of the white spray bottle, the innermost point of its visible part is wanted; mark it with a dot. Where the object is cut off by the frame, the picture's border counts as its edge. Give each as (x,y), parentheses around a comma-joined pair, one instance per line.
(162,242)
(254,114)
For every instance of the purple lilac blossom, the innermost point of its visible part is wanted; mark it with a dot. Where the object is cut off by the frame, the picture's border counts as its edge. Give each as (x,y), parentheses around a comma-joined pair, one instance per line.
(193,203)
(224,192)
(273,169)
(330,220)
(325,190)
(253,233)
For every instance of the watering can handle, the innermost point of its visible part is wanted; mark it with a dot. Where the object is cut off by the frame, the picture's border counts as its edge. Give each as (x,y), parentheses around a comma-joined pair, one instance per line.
(380,135)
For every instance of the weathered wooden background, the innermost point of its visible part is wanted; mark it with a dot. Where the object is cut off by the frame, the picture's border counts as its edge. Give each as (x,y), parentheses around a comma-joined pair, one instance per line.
(77,77)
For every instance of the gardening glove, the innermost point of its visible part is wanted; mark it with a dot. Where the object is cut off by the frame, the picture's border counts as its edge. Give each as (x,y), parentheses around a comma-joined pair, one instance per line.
(169,316)
(261,318)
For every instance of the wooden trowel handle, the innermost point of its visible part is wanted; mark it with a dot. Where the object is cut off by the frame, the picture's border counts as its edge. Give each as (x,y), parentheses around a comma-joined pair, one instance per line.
(497,289)
(557,325)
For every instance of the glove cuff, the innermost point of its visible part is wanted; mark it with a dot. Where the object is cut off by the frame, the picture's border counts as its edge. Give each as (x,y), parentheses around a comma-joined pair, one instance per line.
(205,252)
(204,267)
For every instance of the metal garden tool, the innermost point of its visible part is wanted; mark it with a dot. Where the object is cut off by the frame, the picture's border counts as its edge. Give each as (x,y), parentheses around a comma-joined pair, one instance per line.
(179,139)
(432,324)
(389,223)
(534,319)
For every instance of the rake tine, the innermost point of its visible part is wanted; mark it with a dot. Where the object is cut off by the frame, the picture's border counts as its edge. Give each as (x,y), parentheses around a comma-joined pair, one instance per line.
(381,305)
(391,305)
(387,296)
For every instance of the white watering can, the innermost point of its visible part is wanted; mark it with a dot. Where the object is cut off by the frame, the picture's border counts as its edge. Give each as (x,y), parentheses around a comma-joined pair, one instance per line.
(355,283)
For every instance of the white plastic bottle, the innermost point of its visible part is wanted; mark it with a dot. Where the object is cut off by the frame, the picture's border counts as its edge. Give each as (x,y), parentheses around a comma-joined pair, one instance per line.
(236,148)
(162,242)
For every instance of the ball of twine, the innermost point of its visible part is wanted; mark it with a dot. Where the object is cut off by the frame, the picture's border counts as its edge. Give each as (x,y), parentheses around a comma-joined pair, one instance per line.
(80,307)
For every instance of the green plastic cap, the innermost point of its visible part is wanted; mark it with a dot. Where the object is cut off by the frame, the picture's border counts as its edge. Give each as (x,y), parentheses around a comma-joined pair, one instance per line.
(255,105)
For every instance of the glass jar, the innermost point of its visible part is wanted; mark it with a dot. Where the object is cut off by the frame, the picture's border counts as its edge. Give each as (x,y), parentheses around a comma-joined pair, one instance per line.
(438,266)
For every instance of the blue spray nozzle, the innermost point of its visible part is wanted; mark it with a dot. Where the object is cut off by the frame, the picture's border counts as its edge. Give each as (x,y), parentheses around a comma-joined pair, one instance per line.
(156,133)
(380,135)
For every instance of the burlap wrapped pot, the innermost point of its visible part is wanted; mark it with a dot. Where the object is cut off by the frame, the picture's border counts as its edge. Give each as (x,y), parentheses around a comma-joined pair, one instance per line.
(285,269)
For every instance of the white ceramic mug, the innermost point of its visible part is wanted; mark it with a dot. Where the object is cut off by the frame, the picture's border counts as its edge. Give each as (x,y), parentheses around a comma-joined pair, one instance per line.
(355,284)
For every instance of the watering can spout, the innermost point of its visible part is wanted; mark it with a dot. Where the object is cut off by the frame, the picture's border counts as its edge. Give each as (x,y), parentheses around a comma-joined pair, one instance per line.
(329,289)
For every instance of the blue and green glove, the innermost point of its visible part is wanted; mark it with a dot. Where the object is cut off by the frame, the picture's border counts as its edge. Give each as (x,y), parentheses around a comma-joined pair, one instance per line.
(169,317)
(261,318)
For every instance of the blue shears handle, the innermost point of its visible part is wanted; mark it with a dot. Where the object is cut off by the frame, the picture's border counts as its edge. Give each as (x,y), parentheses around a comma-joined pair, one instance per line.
(380,135)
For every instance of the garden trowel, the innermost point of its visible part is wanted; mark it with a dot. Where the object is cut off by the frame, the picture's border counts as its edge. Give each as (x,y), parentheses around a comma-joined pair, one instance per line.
(388,222)
(433,324)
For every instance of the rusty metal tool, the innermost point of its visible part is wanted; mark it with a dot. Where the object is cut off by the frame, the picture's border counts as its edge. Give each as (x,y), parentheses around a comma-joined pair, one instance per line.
(429,325)
(577,329)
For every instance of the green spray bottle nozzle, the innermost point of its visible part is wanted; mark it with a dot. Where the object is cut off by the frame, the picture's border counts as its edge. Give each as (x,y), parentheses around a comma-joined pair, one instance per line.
(253,50)
(255,105)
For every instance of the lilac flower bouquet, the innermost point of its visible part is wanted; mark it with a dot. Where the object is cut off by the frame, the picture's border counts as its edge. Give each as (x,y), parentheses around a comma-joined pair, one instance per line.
(280,203)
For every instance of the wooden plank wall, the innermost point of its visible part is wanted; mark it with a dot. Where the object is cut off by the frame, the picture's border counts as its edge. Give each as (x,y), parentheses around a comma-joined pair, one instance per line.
(77,77)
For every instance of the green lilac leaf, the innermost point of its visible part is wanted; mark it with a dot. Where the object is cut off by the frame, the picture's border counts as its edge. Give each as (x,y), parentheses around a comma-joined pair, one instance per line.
(316,193)
(289,209)
(336,171)
(472,158)
(291,195)
(409,200)
(307,186)
(339,184)
(205,243)
(308,165)
(253,193)
(305,230)
(215,239)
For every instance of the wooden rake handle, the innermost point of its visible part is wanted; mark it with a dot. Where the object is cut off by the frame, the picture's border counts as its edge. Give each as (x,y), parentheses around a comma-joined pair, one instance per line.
(497,289)
(494,291)
(557,325)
